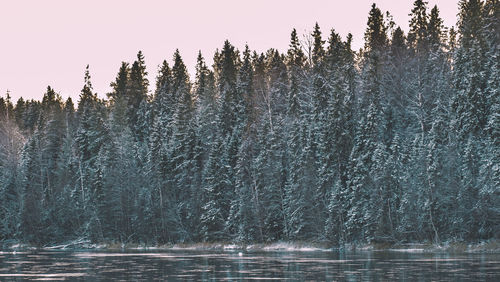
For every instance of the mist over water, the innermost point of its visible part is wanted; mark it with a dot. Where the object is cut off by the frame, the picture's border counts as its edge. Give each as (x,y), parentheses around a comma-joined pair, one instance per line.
(236,266)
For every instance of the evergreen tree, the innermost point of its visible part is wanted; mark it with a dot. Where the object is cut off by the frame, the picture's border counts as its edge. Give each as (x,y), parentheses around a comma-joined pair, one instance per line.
(136,93)
(90,136)
(243,220)
(118,99)
(31,211)
(396,143)
(295,61)
(469,102)
(11,142)
(376,32)
(419,23)
(183,144)
(364,216)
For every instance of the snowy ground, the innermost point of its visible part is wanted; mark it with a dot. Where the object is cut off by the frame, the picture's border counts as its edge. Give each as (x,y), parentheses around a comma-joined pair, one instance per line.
(487,246)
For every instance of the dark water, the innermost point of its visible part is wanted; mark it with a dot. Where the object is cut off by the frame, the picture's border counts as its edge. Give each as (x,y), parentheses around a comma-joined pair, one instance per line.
(235,266)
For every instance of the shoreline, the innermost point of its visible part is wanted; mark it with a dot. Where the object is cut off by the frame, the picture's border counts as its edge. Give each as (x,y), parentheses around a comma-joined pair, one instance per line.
(490,246)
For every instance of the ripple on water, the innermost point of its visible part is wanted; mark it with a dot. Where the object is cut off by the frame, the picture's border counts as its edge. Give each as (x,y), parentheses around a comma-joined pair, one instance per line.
(43,275)
(193,265)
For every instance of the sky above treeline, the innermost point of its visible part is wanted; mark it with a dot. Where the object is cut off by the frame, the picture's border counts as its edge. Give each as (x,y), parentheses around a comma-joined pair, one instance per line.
(50,42)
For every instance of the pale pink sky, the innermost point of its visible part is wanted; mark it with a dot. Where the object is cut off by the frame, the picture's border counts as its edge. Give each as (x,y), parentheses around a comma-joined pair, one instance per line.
(50,42)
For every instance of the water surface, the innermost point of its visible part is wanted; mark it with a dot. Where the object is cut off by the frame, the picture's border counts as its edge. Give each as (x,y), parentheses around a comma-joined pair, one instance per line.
(235,266)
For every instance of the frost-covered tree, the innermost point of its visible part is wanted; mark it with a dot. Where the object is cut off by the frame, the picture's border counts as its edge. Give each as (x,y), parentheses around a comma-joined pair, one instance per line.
(395,143)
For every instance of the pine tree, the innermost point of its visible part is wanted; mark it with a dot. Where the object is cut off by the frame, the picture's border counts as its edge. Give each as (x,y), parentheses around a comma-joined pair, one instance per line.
(90,136)
(490,170)
(31,211)
(435,29)
(469,112)
(19,112)
(118,99)
(301,222)
(183,142)
(11,142)
(159,140)
(161,131)
(337,130)
(469,102)
(215,206)
(376,32)
(295,61)
(318,76)
(243,220)
(136,93)
(419,22)
(51,135)
(363,218)
(228,94)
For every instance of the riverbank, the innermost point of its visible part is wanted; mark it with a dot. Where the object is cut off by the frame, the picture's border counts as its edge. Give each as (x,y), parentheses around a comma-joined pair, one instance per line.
(457,247)
(492,246)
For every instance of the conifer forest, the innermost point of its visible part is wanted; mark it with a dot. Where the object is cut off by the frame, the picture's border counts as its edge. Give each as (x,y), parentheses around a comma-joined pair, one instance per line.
(398,141)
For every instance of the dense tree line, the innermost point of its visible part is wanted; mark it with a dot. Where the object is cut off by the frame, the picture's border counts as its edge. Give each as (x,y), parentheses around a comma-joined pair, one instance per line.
(399,141)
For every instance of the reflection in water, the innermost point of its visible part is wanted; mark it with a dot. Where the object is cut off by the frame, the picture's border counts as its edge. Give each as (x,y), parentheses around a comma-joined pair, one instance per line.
(230,266)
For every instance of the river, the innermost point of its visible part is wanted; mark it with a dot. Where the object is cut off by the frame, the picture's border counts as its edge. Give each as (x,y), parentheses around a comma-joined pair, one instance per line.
(175,265)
